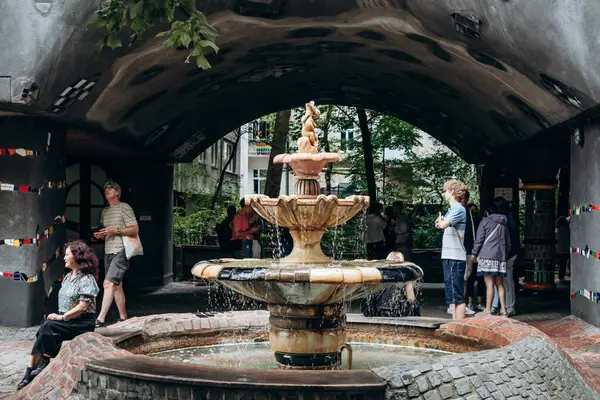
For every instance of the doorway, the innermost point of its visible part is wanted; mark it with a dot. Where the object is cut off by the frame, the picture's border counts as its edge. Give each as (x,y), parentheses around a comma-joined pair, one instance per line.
(84,202)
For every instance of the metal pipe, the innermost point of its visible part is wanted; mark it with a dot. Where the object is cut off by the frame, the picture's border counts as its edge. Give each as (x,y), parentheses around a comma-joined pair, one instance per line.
(349,349)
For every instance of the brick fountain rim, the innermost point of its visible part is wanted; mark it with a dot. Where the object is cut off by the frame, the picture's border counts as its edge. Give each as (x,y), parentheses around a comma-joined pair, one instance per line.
(100,352)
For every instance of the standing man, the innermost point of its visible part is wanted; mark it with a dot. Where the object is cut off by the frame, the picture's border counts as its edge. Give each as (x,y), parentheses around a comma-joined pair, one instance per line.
(454,256)
(117,220)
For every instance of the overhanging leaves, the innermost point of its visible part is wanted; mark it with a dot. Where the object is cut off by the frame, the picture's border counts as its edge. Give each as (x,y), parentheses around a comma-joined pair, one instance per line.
(189,27)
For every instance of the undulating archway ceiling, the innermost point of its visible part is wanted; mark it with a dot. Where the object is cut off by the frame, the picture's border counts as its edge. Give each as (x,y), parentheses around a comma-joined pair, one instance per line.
(476,75)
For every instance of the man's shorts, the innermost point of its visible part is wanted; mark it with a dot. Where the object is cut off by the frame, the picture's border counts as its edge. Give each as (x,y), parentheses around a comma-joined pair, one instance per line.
(454,281)
(115,267)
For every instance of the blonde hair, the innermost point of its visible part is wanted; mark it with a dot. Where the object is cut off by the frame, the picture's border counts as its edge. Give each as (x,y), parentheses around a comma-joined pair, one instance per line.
(458,189)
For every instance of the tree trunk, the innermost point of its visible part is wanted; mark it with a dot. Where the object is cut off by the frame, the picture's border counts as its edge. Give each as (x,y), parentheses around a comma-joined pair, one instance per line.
(280,136)
(215,197)
(367,144)
(327,147)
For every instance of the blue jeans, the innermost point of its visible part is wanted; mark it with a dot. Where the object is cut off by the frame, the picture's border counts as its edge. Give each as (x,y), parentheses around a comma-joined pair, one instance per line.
(454,281)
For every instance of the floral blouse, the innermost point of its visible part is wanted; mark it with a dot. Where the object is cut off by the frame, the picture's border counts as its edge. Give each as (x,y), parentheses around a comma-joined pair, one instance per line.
(81,287)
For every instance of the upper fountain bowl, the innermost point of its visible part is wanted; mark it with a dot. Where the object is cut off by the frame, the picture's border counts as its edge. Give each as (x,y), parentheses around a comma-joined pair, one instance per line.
(307,213)
(307,164)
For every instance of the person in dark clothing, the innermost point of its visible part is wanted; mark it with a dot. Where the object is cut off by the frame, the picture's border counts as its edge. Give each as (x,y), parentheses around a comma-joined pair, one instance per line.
(491,250)
(390,234)
(471,270)
(76,309)
(394,301)
(375,233)
(512,258)
(224,232)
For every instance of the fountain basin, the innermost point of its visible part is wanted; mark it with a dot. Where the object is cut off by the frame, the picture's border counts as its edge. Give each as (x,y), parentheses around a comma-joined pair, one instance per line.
(307,302)
(307,284)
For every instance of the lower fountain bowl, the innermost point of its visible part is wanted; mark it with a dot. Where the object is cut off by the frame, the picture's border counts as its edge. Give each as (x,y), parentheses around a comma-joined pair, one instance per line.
(278,283)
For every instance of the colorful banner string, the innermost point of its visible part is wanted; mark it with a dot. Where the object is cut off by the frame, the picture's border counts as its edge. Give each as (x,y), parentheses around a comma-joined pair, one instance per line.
(19,276)
(578,209)
(587,252)
(593,296)
(25,152)
(9,187)
(58,220)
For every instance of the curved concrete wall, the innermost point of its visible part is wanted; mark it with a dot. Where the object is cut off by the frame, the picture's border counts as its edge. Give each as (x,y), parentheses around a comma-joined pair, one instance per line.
(585,189)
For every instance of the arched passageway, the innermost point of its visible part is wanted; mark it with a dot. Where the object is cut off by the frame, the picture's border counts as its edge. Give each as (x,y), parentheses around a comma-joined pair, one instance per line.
(482,77)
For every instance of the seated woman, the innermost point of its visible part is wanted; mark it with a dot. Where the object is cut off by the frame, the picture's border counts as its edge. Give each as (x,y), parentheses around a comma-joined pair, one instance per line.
(76,309)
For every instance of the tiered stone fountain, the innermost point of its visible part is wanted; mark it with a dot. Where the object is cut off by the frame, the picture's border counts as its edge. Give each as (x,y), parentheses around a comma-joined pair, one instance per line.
(307,292)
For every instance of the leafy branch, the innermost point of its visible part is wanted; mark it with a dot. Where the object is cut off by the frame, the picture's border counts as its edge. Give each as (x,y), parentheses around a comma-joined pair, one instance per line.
(189,27)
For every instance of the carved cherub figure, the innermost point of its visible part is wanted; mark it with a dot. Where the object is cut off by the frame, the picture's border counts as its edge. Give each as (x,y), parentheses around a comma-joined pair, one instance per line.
(308,143)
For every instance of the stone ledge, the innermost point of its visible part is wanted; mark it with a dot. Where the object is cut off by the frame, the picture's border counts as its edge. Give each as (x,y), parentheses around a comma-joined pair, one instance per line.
(156,370)
(407,322)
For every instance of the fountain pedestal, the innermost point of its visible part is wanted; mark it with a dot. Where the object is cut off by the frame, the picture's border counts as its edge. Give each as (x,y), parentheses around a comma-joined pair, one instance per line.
(307,337)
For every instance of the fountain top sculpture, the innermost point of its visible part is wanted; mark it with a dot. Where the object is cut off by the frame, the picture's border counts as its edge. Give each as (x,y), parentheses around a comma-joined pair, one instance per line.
(307,163)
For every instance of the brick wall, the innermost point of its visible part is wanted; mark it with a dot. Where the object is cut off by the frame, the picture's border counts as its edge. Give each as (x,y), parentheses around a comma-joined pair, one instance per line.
(58,380)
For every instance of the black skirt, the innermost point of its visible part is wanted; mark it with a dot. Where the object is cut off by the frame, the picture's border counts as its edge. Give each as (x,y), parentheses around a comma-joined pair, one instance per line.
(51,334)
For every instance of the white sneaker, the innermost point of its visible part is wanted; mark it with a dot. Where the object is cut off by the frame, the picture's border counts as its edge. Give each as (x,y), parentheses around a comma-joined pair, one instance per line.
(469,312)
(449,310)
(480,307)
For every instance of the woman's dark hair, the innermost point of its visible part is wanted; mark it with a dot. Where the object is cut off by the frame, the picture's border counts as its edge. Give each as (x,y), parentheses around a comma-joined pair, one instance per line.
(494,209)
(84,257)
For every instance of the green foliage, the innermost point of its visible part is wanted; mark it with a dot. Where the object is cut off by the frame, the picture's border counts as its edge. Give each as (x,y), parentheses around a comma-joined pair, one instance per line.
(191,172)
(388,133)
(425,234)
(199,226)
(346,241)
(429,172)
(188,27)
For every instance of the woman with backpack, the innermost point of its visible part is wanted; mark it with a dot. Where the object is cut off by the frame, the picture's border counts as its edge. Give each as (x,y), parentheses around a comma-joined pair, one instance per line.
(490,250)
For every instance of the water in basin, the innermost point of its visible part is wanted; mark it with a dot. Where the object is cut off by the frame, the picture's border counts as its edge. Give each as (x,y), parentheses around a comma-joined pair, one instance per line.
(258,355)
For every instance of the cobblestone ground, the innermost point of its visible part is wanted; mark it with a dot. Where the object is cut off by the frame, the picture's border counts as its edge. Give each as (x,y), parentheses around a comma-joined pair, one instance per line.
(529,369)
(15,345)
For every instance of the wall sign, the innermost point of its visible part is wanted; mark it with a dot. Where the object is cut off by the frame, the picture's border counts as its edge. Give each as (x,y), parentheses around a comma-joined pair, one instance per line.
(507,193)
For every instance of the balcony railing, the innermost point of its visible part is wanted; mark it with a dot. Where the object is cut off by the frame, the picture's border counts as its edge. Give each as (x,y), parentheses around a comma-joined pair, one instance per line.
(256,148)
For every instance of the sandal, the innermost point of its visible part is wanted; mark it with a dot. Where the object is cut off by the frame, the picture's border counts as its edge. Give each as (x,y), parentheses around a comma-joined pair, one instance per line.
(503,314)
